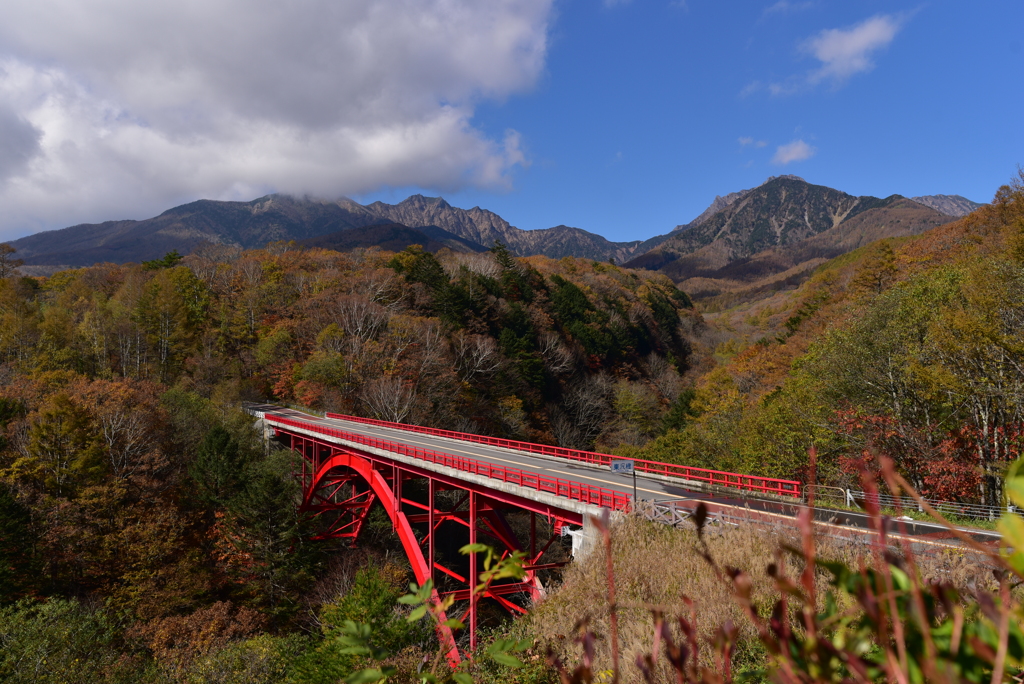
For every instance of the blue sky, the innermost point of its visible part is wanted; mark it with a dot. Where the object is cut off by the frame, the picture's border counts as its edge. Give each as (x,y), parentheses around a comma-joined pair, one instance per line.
(622,117)
(637,122)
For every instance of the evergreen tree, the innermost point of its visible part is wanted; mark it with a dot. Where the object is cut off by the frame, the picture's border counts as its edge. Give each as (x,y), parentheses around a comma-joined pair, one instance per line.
(217,468)
(17,558)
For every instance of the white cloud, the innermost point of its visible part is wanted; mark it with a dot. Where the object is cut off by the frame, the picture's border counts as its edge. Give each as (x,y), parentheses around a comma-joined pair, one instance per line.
(751,88)
(116,108)
(845,52)
(784,6)
(747,140)
(794,151)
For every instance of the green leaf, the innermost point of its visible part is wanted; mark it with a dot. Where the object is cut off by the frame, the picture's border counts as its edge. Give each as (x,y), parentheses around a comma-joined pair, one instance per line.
(501,645)
(1015,490)
(417,614)
(454,623)
(462,678)
(1011,526)
(369,675)
(409,599)
(474,548)
(900,579)
(498,651)
(506,659)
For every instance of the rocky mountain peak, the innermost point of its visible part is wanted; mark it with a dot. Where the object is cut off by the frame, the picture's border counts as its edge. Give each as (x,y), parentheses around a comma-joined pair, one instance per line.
(423,201)
(950,205)
(723,201)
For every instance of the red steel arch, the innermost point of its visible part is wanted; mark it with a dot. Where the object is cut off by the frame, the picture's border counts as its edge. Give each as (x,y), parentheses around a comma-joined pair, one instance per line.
(327,468)
(345,459)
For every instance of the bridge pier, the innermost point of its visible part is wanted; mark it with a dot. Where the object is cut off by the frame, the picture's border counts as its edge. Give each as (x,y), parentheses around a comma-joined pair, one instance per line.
(584,540)
(474,598)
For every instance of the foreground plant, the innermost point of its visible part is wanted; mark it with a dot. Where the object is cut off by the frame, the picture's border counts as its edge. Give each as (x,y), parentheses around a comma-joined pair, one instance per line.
(880,621)
(358,638)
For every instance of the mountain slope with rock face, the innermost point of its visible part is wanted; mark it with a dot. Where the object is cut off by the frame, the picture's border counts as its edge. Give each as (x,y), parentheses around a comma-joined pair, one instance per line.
(788,266)
(776,227)
(485,228)
(393,237)
(722,201)
(780,212)
(950,205)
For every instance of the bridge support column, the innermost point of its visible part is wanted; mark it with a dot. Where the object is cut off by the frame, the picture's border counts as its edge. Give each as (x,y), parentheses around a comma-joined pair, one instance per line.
(585,540)
(473,573)
(431,526)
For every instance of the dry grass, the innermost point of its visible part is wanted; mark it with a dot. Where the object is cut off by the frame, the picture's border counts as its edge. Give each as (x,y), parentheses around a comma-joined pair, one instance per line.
(655,566)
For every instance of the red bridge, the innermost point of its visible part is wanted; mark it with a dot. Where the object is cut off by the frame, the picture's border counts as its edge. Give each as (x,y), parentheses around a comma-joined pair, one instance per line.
(348,464)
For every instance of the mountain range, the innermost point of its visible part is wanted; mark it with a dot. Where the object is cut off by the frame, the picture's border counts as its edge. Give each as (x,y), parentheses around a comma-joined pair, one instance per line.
(743,237)
(252,225)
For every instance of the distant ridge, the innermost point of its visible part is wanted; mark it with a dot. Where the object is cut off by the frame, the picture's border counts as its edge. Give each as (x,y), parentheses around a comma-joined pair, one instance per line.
(950,205)
(254,224)
(485,228)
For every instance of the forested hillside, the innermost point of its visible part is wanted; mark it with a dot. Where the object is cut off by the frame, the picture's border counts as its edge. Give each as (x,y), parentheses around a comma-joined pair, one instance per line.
(137,499)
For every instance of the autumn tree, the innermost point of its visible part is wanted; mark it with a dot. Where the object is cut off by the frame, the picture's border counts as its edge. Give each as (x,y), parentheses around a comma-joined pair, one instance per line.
(63,446)
(877,272)
(8,263)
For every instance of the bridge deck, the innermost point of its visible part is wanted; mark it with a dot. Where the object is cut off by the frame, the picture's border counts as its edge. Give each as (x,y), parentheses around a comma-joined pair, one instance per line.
(587,474)
(653,489)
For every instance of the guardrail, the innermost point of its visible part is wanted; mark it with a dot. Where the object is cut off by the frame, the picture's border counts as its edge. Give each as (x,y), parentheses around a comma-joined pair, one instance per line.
(576,491)
(768,485)
(854,498)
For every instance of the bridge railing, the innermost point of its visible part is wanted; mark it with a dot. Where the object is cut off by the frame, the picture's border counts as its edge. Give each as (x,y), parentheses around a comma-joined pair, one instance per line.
(576,491)
(768,485)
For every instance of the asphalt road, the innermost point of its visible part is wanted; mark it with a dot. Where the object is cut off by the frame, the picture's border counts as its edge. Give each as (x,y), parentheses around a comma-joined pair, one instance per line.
(646,487)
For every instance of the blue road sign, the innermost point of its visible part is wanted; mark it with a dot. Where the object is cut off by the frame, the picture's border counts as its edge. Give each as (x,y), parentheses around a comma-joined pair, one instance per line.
(622,466)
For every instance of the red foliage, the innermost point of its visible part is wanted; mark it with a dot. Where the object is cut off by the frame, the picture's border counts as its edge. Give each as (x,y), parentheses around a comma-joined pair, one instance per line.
(284,380)
(308,393)
(947,463)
